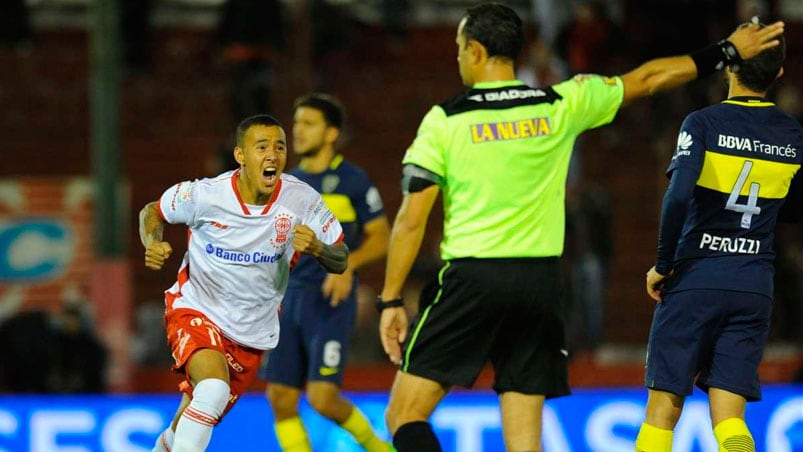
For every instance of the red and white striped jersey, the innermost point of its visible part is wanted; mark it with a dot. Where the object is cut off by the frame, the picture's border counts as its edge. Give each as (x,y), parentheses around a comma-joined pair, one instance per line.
(239,256)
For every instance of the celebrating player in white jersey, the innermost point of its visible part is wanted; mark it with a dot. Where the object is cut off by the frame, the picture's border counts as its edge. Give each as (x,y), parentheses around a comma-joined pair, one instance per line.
(246,230)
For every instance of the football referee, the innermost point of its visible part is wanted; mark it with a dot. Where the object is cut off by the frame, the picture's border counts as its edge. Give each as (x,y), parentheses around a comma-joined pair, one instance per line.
(499,153)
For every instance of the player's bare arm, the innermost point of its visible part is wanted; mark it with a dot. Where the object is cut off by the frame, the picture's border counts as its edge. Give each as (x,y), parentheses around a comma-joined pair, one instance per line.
(334,258)
(151,230)
(374,246)
(405,242)
(662,74)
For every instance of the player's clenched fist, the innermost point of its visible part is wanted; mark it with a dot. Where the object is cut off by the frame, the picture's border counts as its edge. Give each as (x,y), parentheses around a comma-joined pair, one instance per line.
(156,254)
(304,240)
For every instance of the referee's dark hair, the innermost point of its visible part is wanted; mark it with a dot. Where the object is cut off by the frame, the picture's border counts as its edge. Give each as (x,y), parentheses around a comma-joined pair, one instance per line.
(759,72)
(497,27)
(256,120)
(333,111)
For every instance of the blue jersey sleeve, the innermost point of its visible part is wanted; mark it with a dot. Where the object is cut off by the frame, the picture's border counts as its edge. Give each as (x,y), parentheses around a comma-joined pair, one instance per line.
(673,216)
(792,210)
(690,148)
(683,171)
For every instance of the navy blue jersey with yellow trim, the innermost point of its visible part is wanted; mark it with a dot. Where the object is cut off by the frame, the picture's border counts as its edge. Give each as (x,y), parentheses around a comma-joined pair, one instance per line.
(352,198)
(745,153)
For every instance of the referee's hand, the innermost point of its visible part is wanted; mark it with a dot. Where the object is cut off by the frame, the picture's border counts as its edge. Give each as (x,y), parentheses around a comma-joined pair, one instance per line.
(750,39)
(393,331)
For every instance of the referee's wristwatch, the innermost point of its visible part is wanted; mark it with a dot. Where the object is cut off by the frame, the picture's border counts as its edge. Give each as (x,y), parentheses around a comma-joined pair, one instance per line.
(382,304)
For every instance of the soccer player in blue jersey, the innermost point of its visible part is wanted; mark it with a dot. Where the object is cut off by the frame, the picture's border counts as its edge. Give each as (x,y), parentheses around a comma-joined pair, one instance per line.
(319,308)
(735,164)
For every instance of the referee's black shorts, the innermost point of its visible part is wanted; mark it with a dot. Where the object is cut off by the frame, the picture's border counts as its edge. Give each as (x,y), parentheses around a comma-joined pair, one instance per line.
(506,311)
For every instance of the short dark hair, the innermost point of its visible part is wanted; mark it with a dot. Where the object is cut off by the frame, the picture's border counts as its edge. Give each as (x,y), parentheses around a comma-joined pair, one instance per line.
(758,73)
(497,27)
(333,112)
(256,120)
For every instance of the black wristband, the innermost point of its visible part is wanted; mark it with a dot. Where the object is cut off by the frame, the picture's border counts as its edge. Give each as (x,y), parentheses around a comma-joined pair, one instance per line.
(715,57)
(382,304)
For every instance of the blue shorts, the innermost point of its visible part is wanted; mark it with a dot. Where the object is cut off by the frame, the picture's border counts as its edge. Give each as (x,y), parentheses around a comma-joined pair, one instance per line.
(313,339)
(715,336)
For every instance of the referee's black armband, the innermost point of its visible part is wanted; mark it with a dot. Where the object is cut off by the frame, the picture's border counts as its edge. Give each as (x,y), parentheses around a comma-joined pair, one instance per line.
(715,57)
(416,178)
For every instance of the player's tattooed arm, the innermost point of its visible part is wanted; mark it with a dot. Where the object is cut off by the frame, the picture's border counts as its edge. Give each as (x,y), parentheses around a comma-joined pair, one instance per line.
(151,225)
(151,230)
(334,258)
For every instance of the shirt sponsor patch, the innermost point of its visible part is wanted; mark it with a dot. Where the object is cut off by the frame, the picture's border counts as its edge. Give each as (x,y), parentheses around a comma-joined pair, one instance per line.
(255,257)
(581,78)
(322,214)
(510,130)
(183,194)
(508,94)
(684,143)
(750,145)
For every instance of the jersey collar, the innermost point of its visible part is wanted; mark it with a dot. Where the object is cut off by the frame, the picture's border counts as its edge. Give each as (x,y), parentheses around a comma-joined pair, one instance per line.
(497,84)
(336,161)
(748,101)
(246,211)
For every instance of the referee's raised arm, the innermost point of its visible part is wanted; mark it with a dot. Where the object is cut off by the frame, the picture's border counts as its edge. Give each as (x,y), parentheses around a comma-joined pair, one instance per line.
(662,74)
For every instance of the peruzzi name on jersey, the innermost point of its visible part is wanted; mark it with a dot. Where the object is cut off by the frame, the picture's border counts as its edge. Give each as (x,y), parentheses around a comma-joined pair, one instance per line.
(503,150)
(746,153)
(239,256)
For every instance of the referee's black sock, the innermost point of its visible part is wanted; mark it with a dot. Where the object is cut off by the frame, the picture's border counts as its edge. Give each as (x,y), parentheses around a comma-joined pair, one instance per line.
(416,437)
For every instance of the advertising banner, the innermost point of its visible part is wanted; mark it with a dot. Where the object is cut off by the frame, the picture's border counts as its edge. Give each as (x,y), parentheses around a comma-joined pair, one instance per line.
(45,242)
(588,421)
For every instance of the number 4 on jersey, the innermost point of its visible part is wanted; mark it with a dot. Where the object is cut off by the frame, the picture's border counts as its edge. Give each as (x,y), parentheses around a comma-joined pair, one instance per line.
(749,209)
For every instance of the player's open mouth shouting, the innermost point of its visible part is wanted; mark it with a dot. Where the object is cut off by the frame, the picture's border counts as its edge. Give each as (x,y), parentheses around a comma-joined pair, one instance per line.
(269,175)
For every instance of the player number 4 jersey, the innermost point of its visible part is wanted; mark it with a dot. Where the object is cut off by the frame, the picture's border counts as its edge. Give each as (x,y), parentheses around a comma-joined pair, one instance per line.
(747,153)
(239,256)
